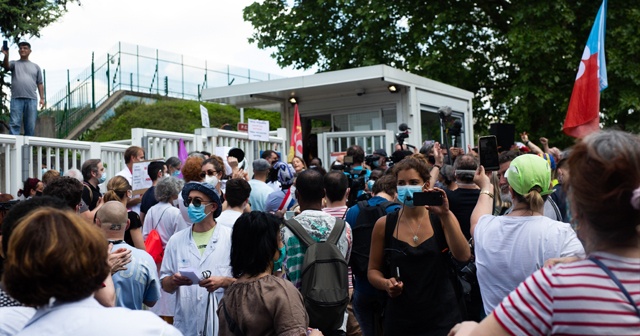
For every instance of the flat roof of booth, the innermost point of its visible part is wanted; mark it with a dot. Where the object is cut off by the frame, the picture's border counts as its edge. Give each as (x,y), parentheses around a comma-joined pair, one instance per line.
(330,84)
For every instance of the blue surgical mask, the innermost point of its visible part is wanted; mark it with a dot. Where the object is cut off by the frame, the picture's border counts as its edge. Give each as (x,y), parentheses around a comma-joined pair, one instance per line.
(370,184)
(176,173)
(196,214)
(102,178)
(278,263)
(405,192)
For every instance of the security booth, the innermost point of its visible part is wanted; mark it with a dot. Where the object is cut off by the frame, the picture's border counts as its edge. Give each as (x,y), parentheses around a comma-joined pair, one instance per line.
(364,106)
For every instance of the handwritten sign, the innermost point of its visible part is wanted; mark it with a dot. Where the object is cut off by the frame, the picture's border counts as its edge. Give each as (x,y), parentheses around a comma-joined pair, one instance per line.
(258,130)
(140,178)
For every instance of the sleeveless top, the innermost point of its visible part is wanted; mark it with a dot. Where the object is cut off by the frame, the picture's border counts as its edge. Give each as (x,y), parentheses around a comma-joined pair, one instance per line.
(428,304)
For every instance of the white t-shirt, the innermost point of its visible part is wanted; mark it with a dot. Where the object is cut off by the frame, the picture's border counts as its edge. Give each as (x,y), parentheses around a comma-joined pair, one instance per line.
(509,249)
(228,218)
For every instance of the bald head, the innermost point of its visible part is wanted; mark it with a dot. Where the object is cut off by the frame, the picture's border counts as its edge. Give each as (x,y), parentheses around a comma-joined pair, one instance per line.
(112,218)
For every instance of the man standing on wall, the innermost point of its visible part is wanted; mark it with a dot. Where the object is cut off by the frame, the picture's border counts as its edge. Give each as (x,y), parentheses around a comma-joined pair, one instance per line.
(26,76)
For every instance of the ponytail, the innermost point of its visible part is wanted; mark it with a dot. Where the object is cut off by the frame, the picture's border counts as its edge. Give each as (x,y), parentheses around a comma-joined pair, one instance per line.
(111,195)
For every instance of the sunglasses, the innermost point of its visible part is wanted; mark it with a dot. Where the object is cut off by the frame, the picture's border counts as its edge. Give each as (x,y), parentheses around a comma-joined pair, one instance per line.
(209,172)
(197,202)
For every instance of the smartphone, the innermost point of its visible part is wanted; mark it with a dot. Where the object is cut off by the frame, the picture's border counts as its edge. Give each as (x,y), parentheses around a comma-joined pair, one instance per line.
(488,147)
(428,198)
(5,45)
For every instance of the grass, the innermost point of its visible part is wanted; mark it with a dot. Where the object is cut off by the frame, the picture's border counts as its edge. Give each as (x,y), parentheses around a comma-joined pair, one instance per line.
(172,115)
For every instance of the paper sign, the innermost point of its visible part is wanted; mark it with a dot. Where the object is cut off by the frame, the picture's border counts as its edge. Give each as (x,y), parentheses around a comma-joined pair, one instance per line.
(223,152)
(140,178)
(204,115)
(258,130)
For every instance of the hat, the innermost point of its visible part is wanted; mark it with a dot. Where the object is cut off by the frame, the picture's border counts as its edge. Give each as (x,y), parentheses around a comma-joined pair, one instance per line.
(285,173)
(528,171)
(550,160)
(206,189)
(380,152)
(261,165)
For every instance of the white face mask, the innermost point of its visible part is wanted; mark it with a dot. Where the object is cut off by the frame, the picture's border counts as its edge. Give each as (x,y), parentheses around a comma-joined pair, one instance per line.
(212,180)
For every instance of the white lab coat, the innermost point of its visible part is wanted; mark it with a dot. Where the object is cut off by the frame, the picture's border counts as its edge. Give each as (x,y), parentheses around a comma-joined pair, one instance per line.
(181,252)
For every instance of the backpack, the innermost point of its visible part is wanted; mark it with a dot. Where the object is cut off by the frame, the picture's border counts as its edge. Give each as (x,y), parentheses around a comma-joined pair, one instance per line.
(362,231)
(325,284)
(153,243)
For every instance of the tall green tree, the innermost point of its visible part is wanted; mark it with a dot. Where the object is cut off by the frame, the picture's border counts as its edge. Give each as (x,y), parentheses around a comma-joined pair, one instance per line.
(520,58)
(20,18)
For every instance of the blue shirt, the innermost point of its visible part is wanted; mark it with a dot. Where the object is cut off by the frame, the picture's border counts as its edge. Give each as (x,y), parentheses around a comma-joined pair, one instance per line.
(139,282)
(361,284)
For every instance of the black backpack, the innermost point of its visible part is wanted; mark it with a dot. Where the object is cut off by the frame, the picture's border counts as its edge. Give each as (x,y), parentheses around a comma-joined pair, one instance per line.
(325,284)
(362,231)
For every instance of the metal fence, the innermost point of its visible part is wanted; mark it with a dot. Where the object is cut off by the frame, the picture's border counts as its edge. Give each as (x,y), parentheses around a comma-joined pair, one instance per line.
(140,69)
(22,157)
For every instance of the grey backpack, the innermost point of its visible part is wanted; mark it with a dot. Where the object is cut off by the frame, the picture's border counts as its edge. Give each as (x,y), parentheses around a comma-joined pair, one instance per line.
(325,283)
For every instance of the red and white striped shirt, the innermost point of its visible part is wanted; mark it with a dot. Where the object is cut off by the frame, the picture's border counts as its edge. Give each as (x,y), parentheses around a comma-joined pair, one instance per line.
(575,299)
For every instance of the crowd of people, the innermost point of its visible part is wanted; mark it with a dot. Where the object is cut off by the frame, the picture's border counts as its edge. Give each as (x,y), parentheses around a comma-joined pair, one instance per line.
(405,244)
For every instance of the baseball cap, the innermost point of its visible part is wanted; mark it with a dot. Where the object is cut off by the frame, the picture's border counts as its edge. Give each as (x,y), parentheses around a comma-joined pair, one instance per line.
(528,171)
(206,189)
(380,152)
(285,173)
(261,165)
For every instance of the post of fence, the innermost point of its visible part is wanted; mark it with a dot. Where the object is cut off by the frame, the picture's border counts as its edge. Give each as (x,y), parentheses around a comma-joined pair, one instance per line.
(93,83)
(108,77)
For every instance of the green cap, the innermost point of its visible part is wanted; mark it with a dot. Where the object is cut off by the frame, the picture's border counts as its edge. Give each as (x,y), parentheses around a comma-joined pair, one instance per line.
(527,171)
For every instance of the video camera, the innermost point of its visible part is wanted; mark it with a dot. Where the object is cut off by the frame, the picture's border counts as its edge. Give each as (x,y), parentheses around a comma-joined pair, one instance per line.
(356,180)
(370,159)
(403,134)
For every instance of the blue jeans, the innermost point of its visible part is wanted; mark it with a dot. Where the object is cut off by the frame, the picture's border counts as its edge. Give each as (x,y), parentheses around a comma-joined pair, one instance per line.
(23,108)
(368,311)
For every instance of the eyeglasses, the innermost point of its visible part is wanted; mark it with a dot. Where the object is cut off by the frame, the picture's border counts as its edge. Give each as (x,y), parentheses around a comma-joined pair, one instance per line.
(197,202)
(209,172)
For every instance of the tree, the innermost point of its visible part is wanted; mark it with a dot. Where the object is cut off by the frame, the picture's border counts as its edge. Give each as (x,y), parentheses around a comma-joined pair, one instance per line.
(26,18)
(520,58)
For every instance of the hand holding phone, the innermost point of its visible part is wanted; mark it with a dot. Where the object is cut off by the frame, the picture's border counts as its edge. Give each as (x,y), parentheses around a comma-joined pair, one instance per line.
(432,197)
(5,45)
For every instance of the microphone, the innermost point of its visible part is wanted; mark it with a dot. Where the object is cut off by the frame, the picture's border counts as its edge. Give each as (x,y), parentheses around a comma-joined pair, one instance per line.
(445,112)
(403,127)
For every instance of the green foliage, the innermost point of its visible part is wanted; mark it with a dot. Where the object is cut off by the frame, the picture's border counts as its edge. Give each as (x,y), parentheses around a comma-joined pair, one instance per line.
(171,115)
(520,58)
(26,18)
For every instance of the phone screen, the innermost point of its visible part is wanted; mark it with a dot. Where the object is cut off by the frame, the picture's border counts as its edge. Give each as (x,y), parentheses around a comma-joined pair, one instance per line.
(428,198)
(488,147)
(5,45)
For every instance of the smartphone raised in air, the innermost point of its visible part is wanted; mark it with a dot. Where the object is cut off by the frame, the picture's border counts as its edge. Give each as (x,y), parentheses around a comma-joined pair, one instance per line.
(488,148)
(428,198)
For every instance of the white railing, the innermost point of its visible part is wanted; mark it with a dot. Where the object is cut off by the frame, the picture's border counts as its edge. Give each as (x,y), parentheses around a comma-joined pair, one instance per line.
(23,157)
(335,142)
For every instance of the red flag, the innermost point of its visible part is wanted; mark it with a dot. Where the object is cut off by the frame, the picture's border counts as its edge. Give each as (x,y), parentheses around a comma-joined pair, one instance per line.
(583,115)
(296,136)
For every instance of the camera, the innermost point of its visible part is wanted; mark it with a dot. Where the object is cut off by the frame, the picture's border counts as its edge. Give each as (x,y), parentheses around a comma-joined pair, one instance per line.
(403,134)
(370,159)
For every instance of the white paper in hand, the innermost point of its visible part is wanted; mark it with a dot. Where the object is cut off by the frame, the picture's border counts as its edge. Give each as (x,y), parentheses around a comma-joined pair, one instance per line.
(191,274)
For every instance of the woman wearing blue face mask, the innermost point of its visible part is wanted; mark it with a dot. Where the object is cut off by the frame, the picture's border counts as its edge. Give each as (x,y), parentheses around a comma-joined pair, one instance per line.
(200,252)
(409,258)
(259,303)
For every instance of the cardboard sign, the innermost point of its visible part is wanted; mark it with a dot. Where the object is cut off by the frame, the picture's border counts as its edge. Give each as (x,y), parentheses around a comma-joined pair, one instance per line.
(140,180)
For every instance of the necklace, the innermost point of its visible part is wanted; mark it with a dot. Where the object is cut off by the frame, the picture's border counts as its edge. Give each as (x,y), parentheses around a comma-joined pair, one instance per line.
(415,233)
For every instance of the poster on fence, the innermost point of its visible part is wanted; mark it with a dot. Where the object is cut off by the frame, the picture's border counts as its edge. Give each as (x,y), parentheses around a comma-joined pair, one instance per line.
(204,115)
(258,130)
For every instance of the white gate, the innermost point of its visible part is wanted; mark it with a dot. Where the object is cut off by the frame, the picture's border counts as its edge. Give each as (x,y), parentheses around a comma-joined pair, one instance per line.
(334,142)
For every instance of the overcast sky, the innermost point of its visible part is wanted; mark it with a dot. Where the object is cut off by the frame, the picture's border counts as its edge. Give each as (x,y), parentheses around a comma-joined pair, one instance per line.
(202,29)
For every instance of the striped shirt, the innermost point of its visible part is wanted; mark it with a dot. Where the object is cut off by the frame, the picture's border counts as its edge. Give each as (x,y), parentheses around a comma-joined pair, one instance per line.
(575,299)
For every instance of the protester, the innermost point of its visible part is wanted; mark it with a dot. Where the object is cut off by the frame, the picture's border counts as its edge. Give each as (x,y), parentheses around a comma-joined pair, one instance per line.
(49,176)
(272,179)
(583,298)
(298,164)
(167,221)
(67,189)
(191,172)
(318,224)
(119,190)
(369,302)
(237,193)
(93,174)
(422,297)
(278,202)
(75,173)
(259,188)
(156,170)
(519,243)
(37,273)
(203,250)
(26,77)
(173,166)
(32,187)
(256,245)
(139,283)
(133,154)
